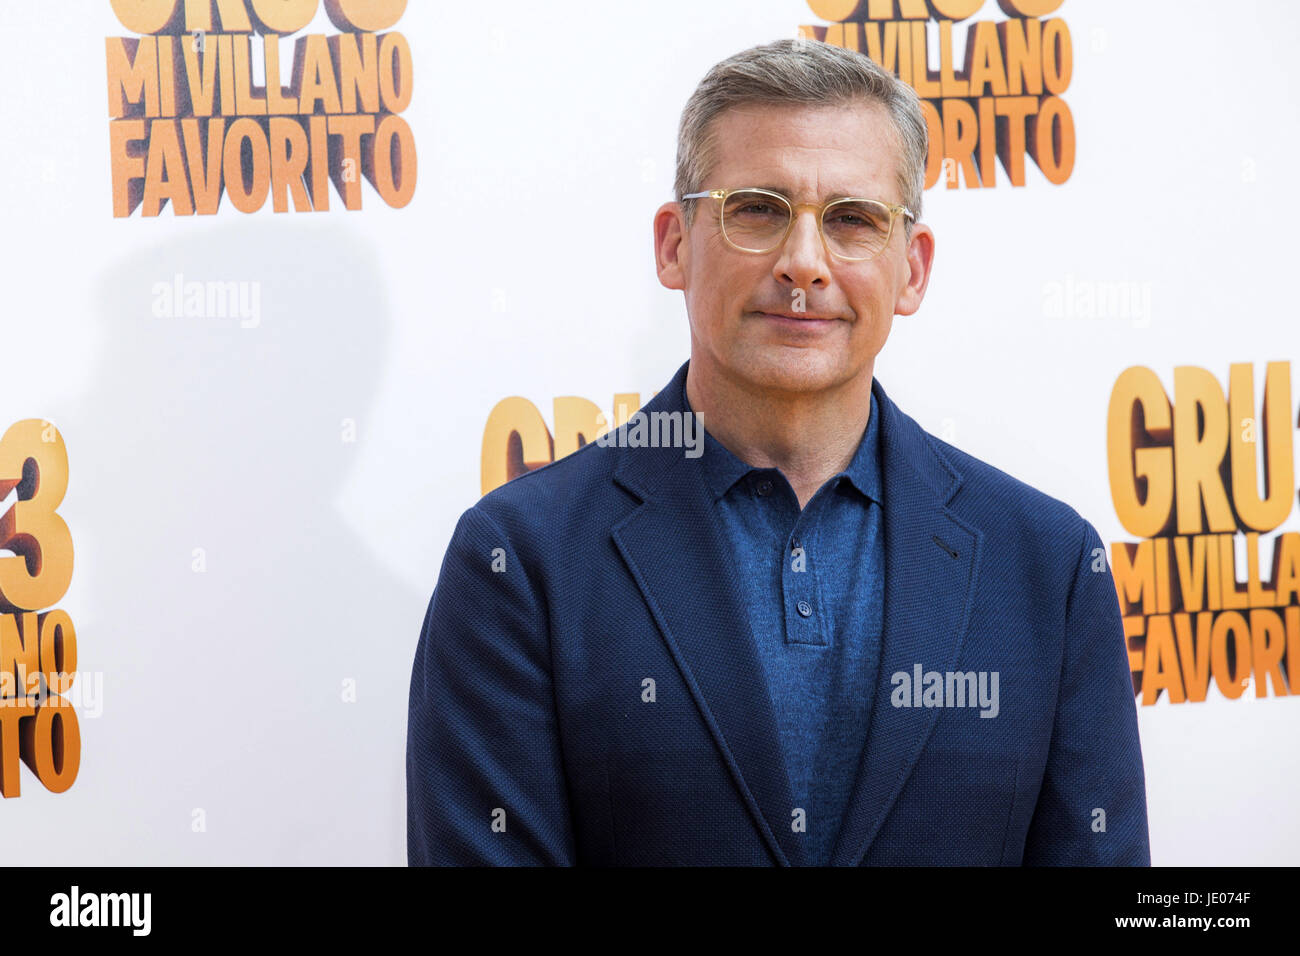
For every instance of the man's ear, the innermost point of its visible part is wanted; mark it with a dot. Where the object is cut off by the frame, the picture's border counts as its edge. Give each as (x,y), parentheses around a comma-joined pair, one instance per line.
(671,245)
(920,257)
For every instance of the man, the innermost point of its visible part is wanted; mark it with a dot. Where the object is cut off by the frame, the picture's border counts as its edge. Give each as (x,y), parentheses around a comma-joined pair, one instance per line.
(831,638)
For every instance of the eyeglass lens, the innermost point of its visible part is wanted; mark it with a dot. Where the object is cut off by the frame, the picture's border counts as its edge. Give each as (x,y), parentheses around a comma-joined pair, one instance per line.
(756,221)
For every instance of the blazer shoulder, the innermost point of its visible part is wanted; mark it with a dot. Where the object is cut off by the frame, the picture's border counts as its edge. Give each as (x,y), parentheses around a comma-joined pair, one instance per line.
(985,493)
(551,495)
(998,501)
(988,479)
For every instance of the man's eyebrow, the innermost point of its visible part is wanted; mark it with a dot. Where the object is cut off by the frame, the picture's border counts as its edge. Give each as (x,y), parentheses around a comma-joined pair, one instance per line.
(785,191)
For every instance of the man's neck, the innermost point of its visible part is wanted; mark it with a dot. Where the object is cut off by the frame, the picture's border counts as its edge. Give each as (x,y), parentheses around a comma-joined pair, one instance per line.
(808,436)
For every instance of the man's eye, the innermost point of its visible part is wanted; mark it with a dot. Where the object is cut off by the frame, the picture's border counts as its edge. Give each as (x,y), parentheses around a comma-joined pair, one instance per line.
(854,221)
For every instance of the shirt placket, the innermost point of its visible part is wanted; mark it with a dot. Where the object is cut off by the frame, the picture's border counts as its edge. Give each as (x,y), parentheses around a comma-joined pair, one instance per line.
(805,618)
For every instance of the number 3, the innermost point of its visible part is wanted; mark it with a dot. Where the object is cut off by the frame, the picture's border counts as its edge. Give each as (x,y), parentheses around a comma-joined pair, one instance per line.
(33,458)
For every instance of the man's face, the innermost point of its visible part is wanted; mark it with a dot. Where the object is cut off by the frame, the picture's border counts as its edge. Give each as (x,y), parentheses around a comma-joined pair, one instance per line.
(810,155)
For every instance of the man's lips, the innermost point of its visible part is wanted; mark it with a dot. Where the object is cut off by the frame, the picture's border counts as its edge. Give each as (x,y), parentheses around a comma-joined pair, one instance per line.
(800,316)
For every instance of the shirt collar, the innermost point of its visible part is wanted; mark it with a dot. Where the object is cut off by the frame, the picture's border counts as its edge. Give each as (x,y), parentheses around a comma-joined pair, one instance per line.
(722,469)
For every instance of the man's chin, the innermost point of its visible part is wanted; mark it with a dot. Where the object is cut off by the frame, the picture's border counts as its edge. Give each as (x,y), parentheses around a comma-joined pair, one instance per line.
(787,368)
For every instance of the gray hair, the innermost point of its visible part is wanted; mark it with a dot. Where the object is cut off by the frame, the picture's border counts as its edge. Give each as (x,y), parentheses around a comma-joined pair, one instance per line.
(799,72)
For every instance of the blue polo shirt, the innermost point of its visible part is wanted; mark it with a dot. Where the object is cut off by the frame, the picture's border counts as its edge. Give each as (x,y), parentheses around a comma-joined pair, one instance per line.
(814,586)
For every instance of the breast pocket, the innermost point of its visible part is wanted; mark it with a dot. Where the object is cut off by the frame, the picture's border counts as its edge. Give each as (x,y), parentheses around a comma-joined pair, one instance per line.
(954,810)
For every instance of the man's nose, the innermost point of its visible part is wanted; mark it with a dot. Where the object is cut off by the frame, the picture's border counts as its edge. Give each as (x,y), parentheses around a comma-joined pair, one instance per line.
(803,255)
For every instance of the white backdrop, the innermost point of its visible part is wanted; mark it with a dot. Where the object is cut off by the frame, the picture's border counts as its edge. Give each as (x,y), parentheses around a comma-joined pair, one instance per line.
(225,691)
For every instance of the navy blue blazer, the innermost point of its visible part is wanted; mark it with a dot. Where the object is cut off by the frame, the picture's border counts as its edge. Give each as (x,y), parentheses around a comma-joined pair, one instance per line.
(586,689)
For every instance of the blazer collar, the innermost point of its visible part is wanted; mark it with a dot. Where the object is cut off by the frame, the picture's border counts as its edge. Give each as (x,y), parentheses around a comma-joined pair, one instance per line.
(641,470)
(674,545)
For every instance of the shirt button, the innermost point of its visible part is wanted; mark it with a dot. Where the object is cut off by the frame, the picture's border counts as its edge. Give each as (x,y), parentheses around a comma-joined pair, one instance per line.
(804,608)
(765,487)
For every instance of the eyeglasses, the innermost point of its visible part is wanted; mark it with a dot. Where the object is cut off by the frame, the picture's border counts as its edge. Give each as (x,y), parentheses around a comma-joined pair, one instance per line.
(758,220)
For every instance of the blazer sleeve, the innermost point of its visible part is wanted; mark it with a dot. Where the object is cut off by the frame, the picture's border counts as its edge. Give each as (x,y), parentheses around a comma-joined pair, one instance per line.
(1095,758)
(484,775)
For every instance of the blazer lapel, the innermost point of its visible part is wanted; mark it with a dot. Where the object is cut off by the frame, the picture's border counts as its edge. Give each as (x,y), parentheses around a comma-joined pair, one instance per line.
(673,544)
(932,559)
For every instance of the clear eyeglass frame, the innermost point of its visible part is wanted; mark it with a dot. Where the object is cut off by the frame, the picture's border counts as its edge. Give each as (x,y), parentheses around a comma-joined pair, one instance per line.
(895,210)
